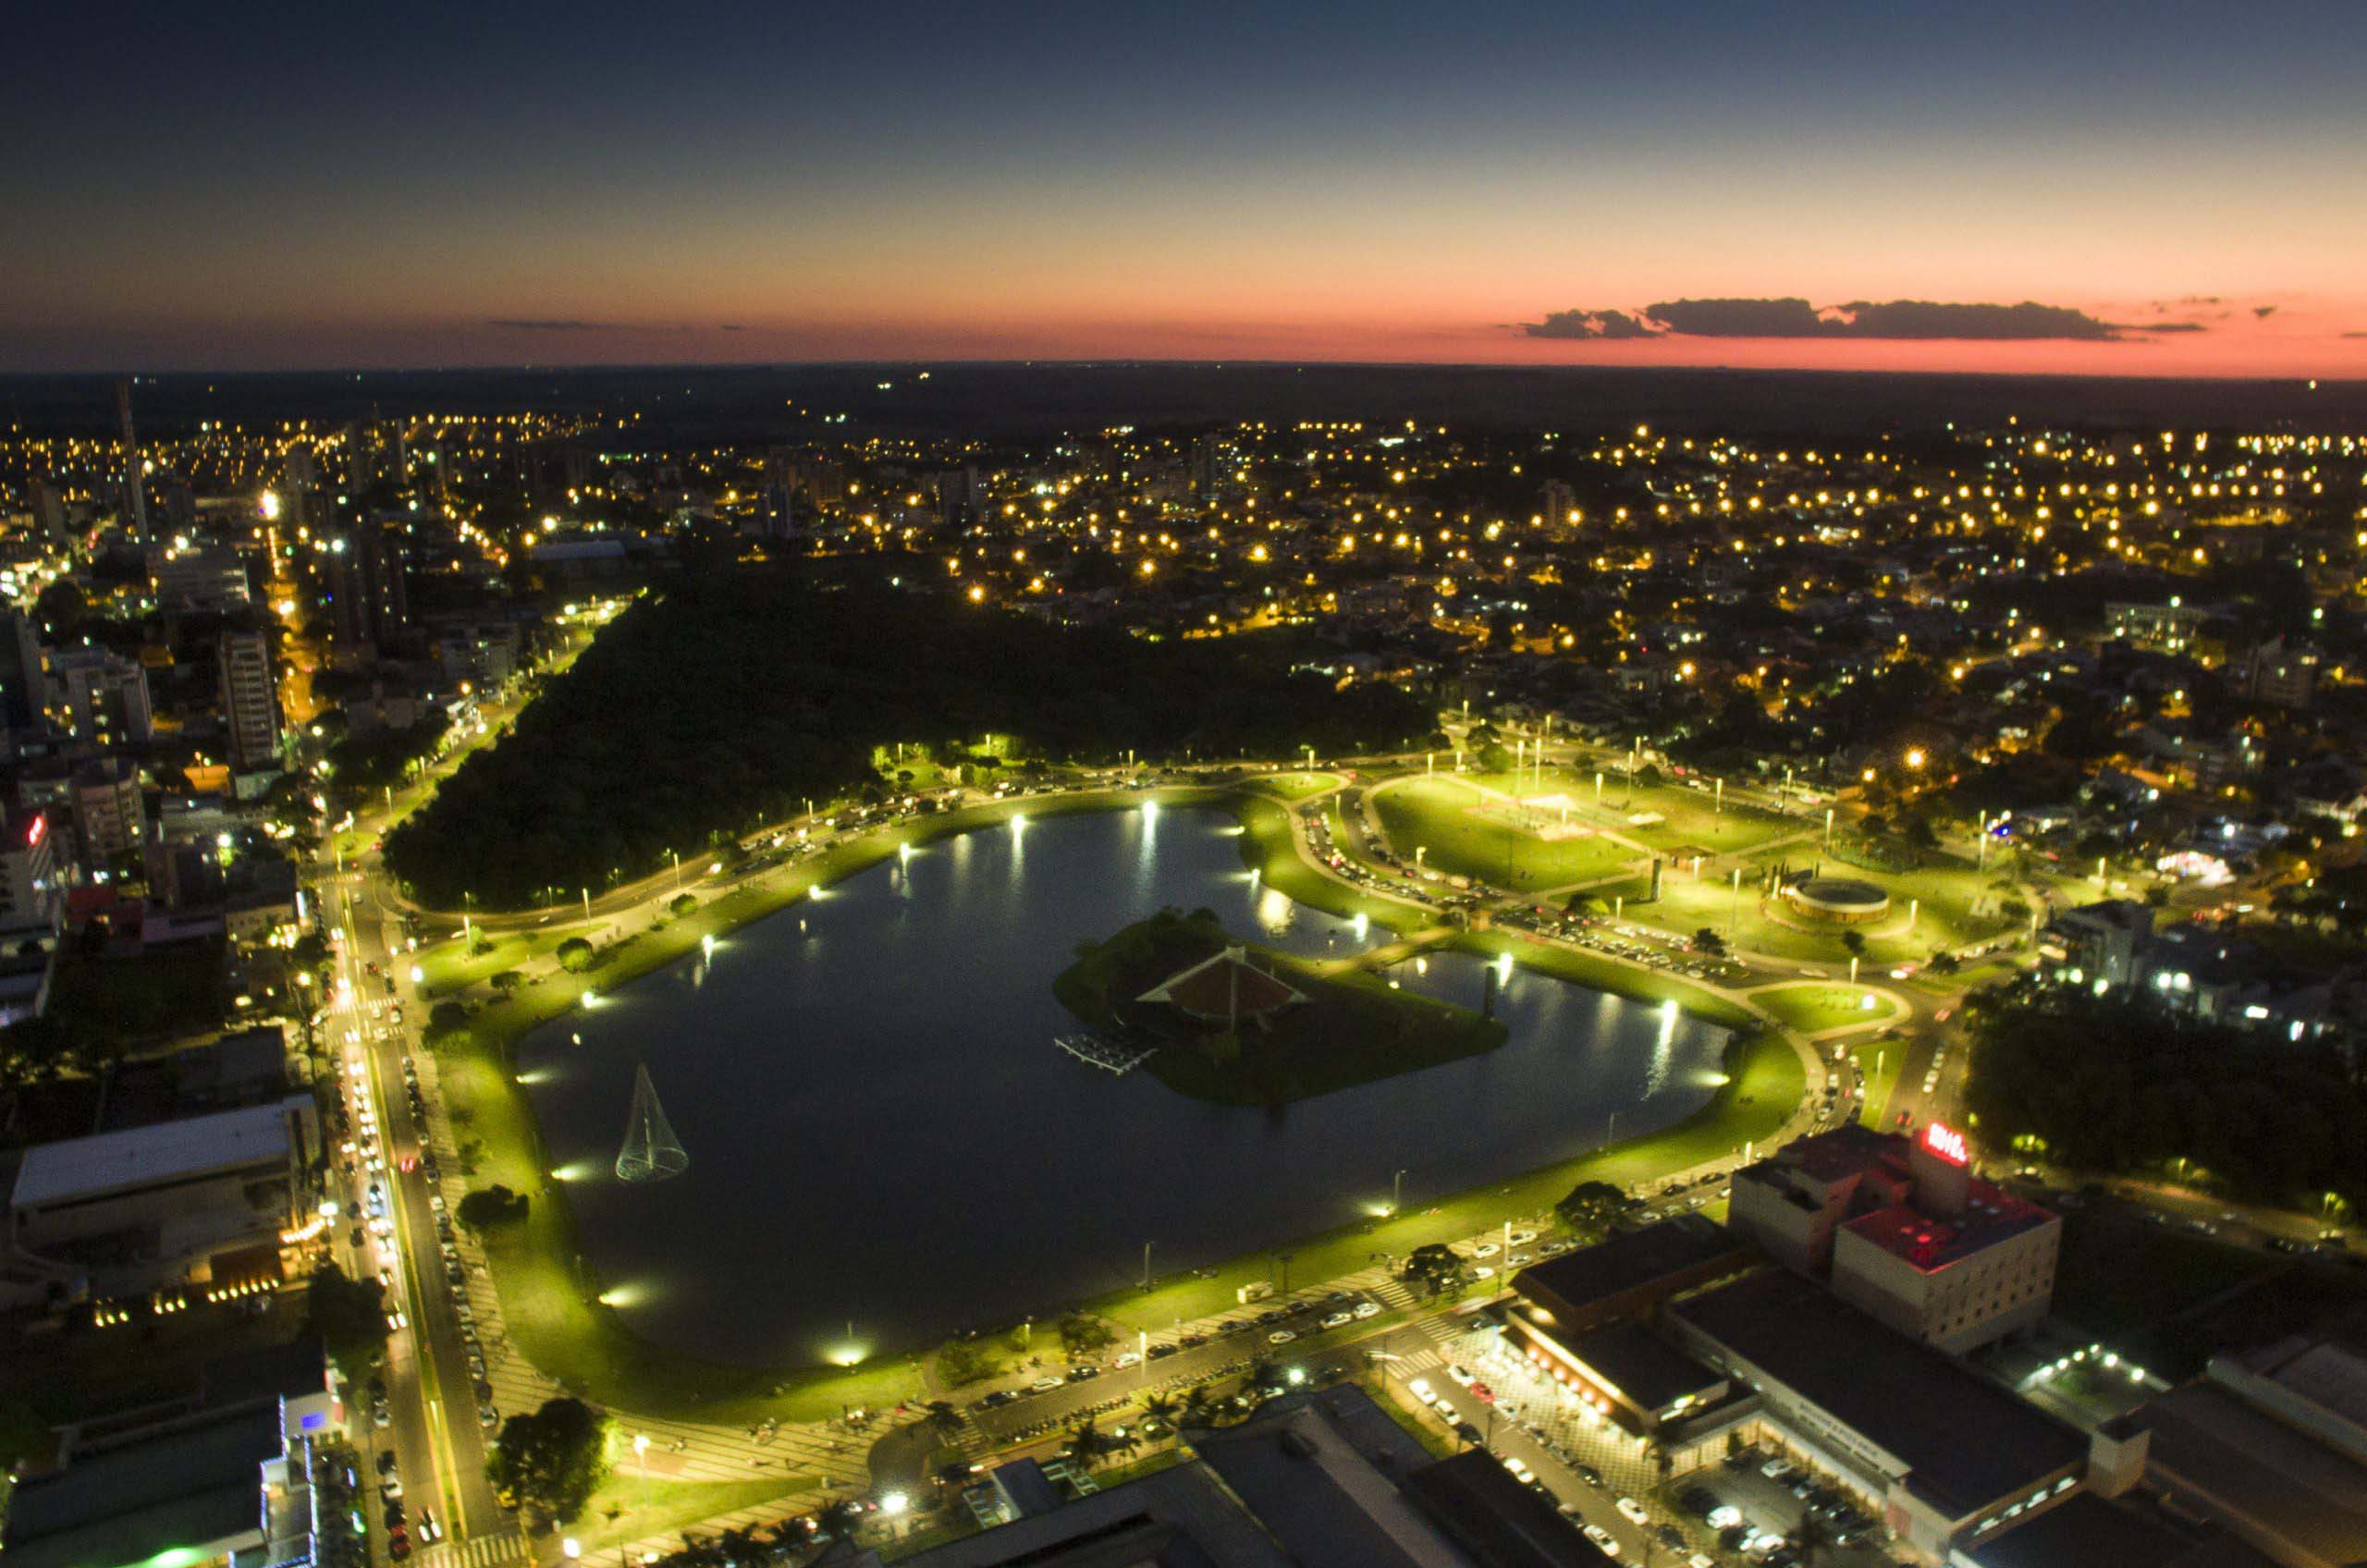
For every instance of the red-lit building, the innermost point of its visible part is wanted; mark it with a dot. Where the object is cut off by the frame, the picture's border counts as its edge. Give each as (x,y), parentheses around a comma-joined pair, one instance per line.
(1905,1232)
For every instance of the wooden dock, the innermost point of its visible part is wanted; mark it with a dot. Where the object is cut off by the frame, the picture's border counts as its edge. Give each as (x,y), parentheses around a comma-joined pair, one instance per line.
(1110,1056)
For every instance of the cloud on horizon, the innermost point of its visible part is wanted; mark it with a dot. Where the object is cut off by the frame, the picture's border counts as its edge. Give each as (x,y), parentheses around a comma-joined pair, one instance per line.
(569,324)
(1902,320)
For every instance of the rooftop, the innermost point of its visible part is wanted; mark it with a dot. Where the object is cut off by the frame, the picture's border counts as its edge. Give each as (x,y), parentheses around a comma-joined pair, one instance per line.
(1501,1522)
(1309,1470)
(1963,1441)
(1568,1285)
(107,1162)
(1225,985)
(1642,1366)
(199,1485)
(1929,1242)
(2209,1444)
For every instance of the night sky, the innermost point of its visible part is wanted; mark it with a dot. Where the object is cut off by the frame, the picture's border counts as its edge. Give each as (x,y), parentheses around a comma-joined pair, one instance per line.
(2182,187)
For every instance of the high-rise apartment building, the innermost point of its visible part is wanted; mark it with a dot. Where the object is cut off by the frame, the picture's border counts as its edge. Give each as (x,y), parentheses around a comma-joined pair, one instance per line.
(249,705)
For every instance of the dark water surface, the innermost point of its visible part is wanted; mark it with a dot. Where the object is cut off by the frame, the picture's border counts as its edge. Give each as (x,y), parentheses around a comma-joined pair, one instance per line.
(882,1133)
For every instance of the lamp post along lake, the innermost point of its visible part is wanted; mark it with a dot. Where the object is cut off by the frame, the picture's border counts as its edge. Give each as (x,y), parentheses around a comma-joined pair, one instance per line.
(881,1129)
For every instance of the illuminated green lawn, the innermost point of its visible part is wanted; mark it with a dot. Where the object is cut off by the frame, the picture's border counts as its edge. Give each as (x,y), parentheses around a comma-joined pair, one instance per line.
(1880,1062)
(448,964)
(1436,816)
(1814,1008)
(625,1509)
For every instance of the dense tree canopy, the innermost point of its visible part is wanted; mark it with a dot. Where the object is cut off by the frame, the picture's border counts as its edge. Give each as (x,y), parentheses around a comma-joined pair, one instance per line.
(721,704)
(547,1464)
(2115,1086)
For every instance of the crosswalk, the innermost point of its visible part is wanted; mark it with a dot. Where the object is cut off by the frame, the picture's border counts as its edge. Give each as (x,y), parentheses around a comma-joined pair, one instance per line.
(494,1550)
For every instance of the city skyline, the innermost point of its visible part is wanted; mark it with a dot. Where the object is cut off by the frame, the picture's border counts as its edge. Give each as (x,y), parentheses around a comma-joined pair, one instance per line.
(1607,186)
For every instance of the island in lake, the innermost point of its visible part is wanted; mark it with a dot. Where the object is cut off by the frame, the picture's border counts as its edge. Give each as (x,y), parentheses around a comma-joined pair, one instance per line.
(1242,1025)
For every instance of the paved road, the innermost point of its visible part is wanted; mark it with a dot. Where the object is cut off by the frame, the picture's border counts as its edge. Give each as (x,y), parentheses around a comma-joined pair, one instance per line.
(436,1437)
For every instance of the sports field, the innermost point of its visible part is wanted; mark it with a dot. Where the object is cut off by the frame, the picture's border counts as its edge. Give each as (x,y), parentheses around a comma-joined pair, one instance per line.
(1466,829)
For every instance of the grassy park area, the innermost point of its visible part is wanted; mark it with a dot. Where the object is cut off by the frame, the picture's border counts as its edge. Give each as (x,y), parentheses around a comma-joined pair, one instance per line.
(1461,834)
(1813,1007)
(626,1508)
(1880,1062)
(454,963)
(554,1319)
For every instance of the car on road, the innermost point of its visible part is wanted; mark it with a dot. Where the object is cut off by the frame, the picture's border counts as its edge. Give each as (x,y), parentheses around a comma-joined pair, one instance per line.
(1588,1474)
(1281,1336)
(1044,1385)
(1420,1389)
(1522,1238)
(1460,1374)
(1725,1516)
(429,1530)
(1084,1374)
(998,1399)
(1600,1538)
(1486,1249)
(1366,1309)
(1632,1511)
(1131,1358)
(488,1416)
(1338,1319)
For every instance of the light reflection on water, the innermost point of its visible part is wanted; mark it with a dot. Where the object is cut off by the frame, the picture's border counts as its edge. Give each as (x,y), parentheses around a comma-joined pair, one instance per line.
(882,1135)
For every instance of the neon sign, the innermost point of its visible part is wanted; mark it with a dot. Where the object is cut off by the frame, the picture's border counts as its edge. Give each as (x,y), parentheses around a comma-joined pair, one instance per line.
(1946,1142)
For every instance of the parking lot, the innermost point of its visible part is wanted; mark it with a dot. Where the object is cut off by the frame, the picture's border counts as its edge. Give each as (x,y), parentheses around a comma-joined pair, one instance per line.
(1607,1482)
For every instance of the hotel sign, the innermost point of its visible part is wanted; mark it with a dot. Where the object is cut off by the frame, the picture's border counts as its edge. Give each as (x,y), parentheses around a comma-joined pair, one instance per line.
(1946,1142)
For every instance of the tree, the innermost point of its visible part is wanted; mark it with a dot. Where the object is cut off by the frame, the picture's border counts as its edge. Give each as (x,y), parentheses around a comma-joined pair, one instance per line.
(1087,1444)
(446,1018)
(962,1362)
(350,1316)
(1199,1406)
(943,1420)
(680,905)
(1707,940)
(1650,776)
(1161,1407)
(1081,1332)
(1435,1266)
(839,1519)
(488,1207)
(1494,758)
(1854,943)
(1593,1203)
(508,980)
(575,955)
(547,1464)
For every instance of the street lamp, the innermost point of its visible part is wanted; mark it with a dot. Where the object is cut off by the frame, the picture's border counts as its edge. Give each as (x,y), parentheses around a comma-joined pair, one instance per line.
(641,1451)
(1397,1194)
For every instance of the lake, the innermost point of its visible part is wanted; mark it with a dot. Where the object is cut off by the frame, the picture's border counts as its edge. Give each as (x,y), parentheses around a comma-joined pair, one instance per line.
(886,1147)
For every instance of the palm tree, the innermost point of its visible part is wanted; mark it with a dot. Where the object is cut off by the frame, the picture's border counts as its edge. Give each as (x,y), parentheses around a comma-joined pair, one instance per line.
(942,1419)
(1199,1406)
(838,1518)
(1087,1443)
(1161,1407)
(738,1547)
